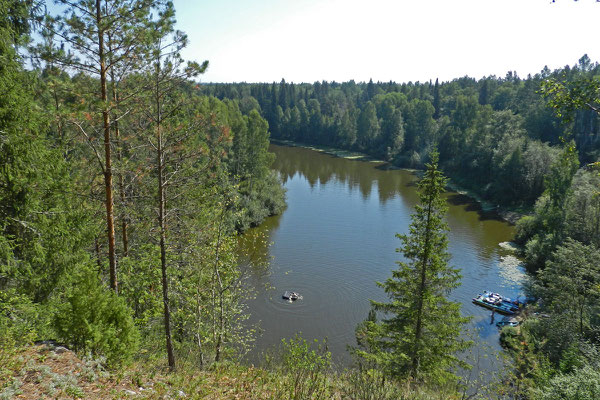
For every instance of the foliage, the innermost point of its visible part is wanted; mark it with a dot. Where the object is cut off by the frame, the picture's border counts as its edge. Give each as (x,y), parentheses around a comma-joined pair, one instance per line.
(420,334)
(569,291)
(555,352)
(497,136)
(547,229)
(526,368)
(43,231)
(94,319)
(306,369)
(567,96)
(370,384)
(21,320)
(583,384)
(211,317)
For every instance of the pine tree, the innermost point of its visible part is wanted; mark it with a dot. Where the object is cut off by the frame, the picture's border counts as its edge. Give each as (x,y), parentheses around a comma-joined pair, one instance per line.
(102,38)
(283,100)
(172,141)
(420,333)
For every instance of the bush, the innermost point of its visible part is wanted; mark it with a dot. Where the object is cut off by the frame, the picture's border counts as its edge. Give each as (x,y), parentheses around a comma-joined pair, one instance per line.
(370,385)
(305,368)
(95,320)
(21,321)
(583,384)
(526,228)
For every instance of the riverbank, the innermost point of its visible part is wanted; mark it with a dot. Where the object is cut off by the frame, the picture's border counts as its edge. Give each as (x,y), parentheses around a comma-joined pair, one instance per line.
(347,154)
(510,215)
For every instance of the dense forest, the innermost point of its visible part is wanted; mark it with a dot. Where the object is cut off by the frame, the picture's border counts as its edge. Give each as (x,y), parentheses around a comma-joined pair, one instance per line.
(116,171)
(124,185)
(496,136)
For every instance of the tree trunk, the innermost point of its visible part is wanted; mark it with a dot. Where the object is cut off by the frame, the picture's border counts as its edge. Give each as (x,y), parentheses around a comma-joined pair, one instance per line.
(98,259)
(220,291)
(110,219)
(162,226)
(221,326)
(124,235)
(415,358)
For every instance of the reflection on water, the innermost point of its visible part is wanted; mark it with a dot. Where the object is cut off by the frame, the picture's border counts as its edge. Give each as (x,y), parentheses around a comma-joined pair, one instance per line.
(337,238)
(356,175)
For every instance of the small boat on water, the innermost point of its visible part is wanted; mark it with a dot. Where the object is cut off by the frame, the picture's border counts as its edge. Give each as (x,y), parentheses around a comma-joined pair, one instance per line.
(497,302)
(291,296)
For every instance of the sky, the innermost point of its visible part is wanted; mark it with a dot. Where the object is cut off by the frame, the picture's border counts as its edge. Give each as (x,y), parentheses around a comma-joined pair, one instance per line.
(383,40)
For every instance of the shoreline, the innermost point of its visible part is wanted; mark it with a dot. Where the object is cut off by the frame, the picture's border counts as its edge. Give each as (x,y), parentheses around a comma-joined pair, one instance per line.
(510,216)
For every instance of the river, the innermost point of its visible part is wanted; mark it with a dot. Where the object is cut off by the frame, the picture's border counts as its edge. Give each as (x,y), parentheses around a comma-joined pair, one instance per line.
(337,238)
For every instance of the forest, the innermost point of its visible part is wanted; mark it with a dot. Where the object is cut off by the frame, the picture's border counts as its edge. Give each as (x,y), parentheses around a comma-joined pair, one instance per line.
(496,136)
(125,184)
(117,173)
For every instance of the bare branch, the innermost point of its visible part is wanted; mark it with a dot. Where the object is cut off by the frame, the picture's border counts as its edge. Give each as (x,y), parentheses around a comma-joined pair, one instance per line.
(90,142)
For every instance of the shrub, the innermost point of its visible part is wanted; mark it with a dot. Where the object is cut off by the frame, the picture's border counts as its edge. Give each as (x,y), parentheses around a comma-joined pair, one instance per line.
(583,384)
(21,321)
(370,385)
(305,368)
(95,320)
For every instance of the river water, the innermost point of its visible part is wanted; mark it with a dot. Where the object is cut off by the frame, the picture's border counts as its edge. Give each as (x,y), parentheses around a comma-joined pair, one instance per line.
(337,238)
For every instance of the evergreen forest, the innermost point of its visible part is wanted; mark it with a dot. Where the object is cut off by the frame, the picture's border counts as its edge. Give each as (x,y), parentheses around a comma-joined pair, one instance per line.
(496,136)
(125,185)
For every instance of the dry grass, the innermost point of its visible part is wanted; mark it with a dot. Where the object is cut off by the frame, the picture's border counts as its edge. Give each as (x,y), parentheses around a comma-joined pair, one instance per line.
(47,372)
(43,372)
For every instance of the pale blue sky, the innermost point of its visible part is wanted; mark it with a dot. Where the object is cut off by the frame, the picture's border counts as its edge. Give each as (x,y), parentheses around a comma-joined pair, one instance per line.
(309,40)
(400,40)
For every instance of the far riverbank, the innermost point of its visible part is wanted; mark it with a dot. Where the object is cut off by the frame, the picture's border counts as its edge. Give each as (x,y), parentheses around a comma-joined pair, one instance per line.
(510,215)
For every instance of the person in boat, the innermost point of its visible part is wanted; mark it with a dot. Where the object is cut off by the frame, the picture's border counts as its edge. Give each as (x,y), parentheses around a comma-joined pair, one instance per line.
(291,296)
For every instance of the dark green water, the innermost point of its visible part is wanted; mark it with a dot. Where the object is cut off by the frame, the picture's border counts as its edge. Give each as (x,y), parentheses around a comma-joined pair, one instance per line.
(337,238)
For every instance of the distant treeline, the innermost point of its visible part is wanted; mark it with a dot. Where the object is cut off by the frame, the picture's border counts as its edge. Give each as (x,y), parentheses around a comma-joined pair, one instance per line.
(496,136)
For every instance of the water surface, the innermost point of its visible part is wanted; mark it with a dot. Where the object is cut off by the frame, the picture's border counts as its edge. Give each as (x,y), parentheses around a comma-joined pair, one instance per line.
(337,238)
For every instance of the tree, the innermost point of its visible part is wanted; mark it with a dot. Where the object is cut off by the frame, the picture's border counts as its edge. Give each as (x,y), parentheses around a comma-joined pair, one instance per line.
(420,334)
(543,232)
(569,290)
(436,100)
(173,140)
(568,96)
(367,127)
(584,384)
(420,125)
(484,92)
(392,130)
(101,38)
(43,231)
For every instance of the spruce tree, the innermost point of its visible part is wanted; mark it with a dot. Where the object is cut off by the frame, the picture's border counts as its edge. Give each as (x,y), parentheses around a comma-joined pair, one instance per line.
(419,336)
(436,100)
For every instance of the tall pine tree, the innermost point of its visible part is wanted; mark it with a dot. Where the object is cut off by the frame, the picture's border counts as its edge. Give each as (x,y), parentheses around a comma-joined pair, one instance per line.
(100,38)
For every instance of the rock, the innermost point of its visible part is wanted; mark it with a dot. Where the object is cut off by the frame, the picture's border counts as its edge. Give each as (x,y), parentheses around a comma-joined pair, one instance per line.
(129,392)
(51,343)
(180,393)
(60,349)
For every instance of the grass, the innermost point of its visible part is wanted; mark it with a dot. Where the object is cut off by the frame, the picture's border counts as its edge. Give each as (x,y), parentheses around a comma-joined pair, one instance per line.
(38,372)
